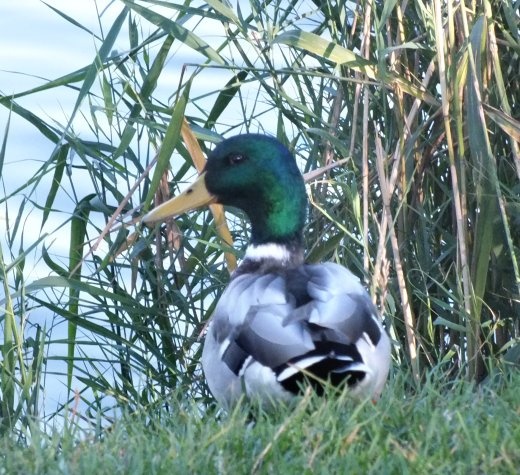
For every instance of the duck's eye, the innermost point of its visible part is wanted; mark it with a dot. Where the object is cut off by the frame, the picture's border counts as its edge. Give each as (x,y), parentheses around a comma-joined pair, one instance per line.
(236,158)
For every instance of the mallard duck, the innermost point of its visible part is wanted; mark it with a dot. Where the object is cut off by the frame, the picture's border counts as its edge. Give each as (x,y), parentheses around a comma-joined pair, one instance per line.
(281,324)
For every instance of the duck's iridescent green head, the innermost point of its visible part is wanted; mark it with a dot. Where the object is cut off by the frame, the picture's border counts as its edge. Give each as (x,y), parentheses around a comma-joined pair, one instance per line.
(257,174)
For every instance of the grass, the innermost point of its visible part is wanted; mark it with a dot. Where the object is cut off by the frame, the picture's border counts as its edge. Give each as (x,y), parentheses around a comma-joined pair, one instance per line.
(443,427)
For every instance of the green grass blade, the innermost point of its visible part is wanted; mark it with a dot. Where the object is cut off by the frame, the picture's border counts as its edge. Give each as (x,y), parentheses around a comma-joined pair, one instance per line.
(4,143)
(171,138)
(507,123)
(225,97)
(48,131)
(344,57)
(220,7)
(8,365)
(60,156)
(104,51)
(150,80)
(327,49)
(71,20)
(149,85)
(178,31)
(485,172)
(78,229)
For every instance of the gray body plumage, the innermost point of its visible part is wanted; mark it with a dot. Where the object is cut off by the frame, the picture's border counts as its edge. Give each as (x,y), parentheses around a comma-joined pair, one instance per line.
(273,329)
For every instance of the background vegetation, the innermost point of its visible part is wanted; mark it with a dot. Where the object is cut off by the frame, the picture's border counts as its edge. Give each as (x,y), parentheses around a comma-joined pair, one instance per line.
(417,99)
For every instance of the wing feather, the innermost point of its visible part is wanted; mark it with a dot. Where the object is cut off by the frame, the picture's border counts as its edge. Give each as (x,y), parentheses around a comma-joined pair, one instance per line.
(308,319)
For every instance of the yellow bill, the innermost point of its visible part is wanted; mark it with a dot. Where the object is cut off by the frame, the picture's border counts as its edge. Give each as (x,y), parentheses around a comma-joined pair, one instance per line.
(195,196)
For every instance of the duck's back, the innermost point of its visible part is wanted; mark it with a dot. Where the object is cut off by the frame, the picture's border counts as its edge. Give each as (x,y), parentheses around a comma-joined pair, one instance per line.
(273,331)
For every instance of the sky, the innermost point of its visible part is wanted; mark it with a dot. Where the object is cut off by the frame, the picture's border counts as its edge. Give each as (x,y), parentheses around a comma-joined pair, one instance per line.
(37,45)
